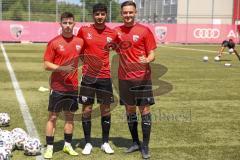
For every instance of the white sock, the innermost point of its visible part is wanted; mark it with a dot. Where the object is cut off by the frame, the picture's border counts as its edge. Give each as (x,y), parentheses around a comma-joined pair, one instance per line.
(49,146)
(67,144)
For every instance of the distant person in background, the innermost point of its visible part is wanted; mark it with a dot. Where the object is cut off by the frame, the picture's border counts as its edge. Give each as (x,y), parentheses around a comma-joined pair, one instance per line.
(231,49)
(61,58)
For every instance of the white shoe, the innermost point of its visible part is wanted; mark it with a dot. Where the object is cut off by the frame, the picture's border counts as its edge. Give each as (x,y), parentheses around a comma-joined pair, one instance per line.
(107,149)
(87,149)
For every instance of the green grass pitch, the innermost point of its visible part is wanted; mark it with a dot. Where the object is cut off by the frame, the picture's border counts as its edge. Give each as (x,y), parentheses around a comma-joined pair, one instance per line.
(196,115)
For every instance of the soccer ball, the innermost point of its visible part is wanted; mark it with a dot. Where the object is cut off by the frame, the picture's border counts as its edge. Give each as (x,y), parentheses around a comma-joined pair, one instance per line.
(6,140)
(4,155)
(4,119)
(217,58)
(32,147)
(7,146)
(231,50)
(18,130)
(19,137)
(205,58)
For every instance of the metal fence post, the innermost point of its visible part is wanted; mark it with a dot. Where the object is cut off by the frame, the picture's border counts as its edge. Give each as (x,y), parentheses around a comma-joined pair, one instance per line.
(56,10)
(110,11)
(29,10)
(1,12)
(83,10)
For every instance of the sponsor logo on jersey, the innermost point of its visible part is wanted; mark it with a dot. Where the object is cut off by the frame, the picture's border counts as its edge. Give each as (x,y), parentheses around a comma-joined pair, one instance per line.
(61,47)
(119,35)
(135,38)
(109,39)
(89,36)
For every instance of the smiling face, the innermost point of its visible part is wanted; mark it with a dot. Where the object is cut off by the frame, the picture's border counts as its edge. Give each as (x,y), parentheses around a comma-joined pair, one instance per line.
(128,14)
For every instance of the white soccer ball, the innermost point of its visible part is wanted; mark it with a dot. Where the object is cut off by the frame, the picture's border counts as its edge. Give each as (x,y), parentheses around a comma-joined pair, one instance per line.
(205,58)
(7,146)
(4,119)
(217,58)
(231,50)
(5,135)
(6,140)
(32,147)
(19,137)
(4,155)
(18,130)
(228,64)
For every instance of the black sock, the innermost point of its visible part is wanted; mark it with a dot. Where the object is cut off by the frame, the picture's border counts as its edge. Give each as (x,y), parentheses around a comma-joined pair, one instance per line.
(132,125)
(86,124)
(68,137)
(106,124)
(146,128)
(49,140)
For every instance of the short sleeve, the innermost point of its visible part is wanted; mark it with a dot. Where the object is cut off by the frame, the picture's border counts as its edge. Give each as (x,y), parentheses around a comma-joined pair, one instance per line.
(150,43)
(80,33)
(49,52)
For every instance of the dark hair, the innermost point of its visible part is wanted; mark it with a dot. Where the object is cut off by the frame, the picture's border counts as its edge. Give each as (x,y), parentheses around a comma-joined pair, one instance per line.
(67,15)
(99,7)
(128,3)
(230,40)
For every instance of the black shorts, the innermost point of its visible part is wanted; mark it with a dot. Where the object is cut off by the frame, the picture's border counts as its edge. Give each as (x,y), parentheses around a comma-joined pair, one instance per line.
(101,87)
(137,93)
(228,44)
(63,101)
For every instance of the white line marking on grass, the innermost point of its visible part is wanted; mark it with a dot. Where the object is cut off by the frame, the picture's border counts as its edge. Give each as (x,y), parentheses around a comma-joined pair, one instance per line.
(191,49)
(31,129)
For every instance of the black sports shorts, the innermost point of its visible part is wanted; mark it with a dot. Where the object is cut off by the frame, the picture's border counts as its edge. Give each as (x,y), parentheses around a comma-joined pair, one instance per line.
(101,87)
(63,101)
(133,92)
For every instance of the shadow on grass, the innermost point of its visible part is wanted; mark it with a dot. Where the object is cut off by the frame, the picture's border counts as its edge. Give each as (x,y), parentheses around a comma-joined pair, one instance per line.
(96,142)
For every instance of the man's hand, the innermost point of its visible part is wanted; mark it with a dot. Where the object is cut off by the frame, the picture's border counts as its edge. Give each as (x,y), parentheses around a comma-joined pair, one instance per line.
(67,68)
(143,59)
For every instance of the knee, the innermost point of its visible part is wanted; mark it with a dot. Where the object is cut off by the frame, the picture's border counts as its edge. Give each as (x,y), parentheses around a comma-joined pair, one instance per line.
(144,110)
(52,118)
(130,110)
(86,113)
(105,111)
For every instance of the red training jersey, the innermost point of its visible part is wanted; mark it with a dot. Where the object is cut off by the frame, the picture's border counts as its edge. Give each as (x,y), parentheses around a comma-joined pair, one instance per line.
(96,54)
(135,41)
(64,51)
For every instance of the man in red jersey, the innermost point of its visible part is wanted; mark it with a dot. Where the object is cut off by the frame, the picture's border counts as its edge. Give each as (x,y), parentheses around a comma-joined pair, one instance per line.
(96,76)
(61,57)
(134,75)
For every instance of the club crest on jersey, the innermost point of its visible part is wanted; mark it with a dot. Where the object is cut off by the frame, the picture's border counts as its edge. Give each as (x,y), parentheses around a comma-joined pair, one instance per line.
(89,36)
(61,47)
(109,39)
(135,38)
(78,47)
(119,35)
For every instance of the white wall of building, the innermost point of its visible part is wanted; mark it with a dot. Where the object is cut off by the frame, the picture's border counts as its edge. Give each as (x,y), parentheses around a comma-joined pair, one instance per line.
(205,11)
